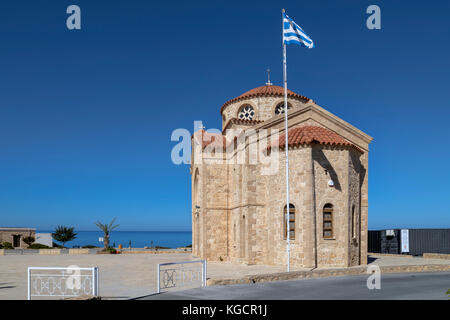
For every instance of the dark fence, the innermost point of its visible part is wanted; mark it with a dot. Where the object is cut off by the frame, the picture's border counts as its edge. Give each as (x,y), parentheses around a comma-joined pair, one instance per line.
(374,241)
(380,242)
(420,241)
(429,241)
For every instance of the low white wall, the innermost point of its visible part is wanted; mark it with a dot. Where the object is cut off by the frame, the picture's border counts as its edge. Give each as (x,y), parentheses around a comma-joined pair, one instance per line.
(44,238)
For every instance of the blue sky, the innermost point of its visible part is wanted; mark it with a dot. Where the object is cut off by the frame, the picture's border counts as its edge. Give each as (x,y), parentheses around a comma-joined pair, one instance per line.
(86,116)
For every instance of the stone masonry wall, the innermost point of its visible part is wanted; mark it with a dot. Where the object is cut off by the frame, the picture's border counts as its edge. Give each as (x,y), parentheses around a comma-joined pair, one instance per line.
(8,236)
(300,197)
(354,212)
(216,205)
(332,163)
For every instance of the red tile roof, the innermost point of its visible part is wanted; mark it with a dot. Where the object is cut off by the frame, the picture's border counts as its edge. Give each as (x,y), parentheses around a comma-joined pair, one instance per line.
(266,90)
(311,134)
(297,136)
(214,139)
(240,121)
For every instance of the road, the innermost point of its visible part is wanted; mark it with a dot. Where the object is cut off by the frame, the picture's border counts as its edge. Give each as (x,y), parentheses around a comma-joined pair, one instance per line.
(408,286)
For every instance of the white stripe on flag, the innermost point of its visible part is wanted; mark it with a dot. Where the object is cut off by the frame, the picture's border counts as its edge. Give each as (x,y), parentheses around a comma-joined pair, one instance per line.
(294,34)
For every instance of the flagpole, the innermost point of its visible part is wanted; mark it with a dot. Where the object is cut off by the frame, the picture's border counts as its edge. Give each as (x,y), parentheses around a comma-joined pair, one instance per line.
(288,207)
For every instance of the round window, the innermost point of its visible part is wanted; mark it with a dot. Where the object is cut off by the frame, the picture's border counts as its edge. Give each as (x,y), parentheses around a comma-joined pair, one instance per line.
(246,113)
(280,108)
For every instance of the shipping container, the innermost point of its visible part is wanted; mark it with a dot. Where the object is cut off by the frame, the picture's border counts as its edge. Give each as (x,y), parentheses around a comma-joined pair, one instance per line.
(429,241)
(420,241)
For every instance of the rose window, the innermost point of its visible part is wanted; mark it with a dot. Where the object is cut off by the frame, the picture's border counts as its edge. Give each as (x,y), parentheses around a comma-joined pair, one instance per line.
(246,113)
(280,108)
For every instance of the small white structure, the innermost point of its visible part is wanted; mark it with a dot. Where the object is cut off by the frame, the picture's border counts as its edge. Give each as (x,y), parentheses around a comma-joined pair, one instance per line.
(44,238)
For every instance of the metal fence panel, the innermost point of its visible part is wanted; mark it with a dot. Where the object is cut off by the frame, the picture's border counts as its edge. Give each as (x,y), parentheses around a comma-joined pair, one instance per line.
(390,244)
(62,282)
(380,242)
(374,241)
(181,274)
(429,241)
(420,241)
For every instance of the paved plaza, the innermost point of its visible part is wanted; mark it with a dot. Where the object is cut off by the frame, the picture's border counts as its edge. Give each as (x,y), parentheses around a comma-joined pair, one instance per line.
(134,275)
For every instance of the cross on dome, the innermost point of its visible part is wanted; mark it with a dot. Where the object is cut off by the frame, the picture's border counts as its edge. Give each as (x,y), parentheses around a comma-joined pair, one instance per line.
(268,83)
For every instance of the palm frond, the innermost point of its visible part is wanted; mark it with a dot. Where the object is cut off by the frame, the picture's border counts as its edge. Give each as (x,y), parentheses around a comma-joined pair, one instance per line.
(107,228)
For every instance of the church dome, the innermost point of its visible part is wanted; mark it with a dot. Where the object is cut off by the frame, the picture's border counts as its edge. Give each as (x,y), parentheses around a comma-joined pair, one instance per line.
(265,91)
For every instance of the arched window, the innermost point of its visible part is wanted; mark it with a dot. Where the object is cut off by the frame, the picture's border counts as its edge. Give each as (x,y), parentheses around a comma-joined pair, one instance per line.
(279,109)
(246,113)
(291,222)
(328,221)
(196,195)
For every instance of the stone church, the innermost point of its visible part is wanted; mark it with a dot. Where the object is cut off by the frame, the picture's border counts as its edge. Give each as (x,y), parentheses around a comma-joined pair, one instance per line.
(240,214)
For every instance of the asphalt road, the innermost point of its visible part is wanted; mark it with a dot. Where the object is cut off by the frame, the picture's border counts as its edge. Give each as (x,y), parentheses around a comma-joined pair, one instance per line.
(408,286)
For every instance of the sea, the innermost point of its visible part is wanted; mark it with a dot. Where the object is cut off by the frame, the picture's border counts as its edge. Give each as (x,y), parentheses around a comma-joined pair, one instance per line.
(139,239)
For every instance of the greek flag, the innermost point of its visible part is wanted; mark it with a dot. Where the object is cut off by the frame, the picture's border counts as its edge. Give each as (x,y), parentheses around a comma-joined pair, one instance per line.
(293,34)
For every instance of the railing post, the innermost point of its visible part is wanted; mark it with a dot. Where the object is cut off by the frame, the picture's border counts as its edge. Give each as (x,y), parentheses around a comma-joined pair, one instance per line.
(29,284)
(98,283)
(159,289)
(93,281)
(95,289)
(204,273)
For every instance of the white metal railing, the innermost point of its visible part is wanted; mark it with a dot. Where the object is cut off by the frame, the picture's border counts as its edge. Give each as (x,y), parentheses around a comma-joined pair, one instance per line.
(185,274)
(63,282)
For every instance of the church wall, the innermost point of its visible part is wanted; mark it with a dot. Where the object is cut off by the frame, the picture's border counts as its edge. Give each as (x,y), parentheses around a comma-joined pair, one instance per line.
(215,212)
(300,197)
(234,200)
(235,214)
(332,252)
(245,202)
(249,210)
(260,243)
(364,208)
(354,220)
(216,230)
(313,118)
(251,230)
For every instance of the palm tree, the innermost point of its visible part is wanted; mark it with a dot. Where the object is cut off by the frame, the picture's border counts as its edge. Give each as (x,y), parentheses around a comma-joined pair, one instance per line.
(64,234)
(106,228)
